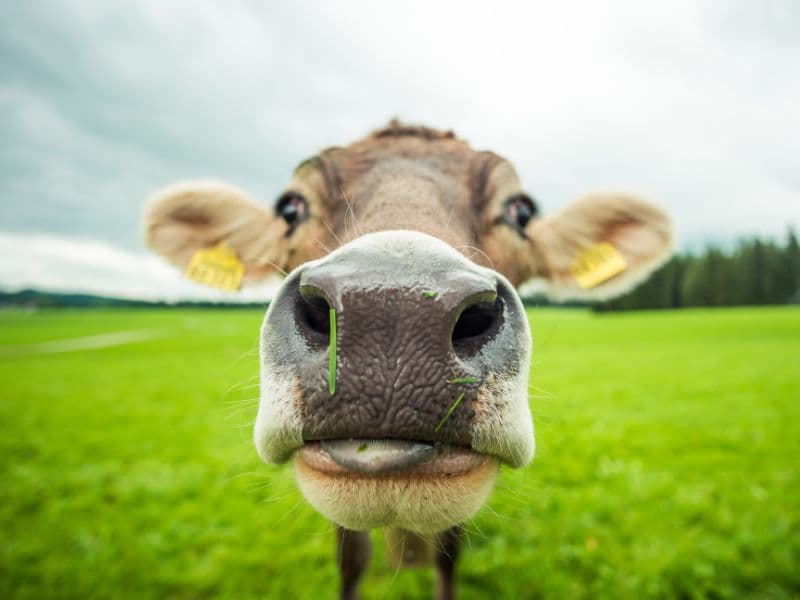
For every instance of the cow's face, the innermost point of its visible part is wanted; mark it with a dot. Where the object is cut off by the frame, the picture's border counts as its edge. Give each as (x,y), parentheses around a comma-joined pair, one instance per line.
(395,356)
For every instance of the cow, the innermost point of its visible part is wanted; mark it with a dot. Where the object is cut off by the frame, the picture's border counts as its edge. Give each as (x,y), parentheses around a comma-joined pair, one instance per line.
(394,357)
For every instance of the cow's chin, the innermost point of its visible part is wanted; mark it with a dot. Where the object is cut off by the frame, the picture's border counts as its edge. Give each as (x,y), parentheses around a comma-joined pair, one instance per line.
(425,499)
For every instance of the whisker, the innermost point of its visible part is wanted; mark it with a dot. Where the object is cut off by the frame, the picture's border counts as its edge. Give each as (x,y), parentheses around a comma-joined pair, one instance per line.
(333,233)
(350,210)
(245,384)
(244,401)
(479,251)
(322,246)
(274,266)
(399,565)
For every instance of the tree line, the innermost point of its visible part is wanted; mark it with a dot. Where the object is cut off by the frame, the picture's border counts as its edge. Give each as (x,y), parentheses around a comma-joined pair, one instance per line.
(35,299)
(754,271)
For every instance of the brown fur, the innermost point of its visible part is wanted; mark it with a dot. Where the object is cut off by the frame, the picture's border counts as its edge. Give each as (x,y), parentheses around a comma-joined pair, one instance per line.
(402,178)
(395,129)
(417,178)
(410,177)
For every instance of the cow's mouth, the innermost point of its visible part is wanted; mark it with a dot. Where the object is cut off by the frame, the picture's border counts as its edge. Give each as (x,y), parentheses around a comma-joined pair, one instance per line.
(388,458)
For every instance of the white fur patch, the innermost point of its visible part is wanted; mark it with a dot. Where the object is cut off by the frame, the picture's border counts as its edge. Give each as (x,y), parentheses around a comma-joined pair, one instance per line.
(278,430)
(503,425)
(423,504)
(423,250)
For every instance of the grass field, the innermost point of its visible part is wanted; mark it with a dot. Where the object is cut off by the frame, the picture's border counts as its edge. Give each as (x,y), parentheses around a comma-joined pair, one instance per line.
(668,464)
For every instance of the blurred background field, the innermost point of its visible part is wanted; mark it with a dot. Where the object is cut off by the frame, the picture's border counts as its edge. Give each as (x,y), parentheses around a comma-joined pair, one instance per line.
(667,463)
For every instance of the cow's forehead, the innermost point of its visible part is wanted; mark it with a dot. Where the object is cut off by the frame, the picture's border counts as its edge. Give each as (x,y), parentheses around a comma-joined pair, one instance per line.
(465,170)
(438,150)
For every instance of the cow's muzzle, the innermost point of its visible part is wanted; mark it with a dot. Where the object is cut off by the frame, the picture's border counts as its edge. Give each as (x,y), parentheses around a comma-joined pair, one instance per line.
(424,341)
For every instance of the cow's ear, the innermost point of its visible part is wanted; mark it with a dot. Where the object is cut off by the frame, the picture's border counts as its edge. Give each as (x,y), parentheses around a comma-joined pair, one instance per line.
(599,246)
(181,219)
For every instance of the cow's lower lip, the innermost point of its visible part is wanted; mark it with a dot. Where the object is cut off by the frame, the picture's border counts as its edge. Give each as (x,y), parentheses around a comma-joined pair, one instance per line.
(382,458)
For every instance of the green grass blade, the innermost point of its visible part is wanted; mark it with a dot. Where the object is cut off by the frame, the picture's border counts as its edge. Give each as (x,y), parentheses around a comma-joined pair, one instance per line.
(332,354)
(449,412)
(464,380)
(429,294)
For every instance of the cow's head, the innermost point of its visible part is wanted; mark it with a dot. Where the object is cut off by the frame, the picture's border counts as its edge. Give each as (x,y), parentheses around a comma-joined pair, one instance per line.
(416,243)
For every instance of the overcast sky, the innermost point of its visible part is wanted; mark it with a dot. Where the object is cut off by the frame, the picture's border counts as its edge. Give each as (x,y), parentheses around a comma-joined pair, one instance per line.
(693,104)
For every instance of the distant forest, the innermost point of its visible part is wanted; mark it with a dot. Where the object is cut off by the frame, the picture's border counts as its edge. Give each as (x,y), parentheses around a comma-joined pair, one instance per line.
(753,272)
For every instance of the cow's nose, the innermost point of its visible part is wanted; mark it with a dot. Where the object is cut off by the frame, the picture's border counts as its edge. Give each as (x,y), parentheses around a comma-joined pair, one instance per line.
(420,337)
(457,313)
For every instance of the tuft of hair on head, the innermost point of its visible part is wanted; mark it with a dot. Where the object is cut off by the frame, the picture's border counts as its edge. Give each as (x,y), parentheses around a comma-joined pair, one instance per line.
(397,129)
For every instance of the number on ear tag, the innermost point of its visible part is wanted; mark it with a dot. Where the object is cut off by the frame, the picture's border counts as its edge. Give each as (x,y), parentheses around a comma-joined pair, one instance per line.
(218,267)
(597,264)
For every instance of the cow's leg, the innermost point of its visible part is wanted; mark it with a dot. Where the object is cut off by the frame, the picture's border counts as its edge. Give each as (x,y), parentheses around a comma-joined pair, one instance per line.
(353,549)
(447,548)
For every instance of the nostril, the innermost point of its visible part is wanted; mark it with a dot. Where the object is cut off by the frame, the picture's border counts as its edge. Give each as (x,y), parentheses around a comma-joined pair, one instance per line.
(476,324)
(313,316)
(474,321)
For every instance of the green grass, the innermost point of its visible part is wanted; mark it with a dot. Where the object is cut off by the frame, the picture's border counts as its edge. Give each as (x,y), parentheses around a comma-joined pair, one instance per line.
(332,353)
(464,380)
(667,465)
(449,411)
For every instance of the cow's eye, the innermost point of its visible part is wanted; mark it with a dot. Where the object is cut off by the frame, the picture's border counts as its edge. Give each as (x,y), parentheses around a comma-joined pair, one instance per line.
(518,210)
(293,209)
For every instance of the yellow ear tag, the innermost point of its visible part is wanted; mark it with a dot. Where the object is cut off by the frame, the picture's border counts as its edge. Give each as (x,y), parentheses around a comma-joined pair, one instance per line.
(596,264)
(218,267)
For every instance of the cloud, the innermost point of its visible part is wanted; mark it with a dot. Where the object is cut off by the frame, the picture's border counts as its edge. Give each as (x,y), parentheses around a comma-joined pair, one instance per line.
(54,263)
(691,104)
